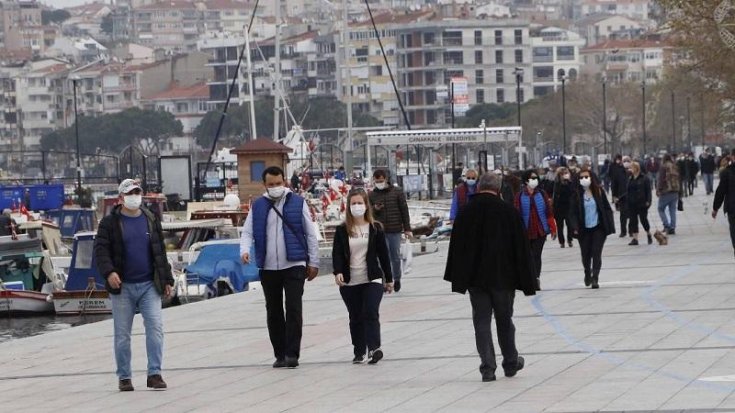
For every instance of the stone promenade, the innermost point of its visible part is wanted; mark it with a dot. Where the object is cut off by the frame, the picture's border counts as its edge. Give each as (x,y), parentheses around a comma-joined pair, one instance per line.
(658,335)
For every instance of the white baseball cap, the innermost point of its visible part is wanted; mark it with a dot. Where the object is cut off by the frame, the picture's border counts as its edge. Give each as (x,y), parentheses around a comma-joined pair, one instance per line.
(128,185)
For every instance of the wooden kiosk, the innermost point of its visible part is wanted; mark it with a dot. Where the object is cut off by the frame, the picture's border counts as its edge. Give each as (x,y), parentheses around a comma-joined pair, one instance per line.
(252,159)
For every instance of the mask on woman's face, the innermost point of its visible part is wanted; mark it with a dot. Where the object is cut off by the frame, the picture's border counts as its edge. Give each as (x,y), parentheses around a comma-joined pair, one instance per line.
(585,181)
(471,181)
(567,176)
(358,210)
(132,201)
(533,183)
(276,192)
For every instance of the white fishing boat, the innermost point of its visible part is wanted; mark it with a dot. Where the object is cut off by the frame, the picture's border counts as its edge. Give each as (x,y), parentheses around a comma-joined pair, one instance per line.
(26,276)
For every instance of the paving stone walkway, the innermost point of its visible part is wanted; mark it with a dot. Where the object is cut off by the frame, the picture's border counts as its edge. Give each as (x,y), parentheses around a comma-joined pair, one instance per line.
(658,335)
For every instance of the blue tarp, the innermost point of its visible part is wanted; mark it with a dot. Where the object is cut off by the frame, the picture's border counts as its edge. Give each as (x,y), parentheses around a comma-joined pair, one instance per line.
(42,197)
(223,260)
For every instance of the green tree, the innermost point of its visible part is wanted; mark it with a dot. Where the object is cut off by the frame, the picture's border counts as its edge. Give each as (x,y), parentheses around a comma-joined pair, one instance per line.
(54,16)
(106,25)
(493,114)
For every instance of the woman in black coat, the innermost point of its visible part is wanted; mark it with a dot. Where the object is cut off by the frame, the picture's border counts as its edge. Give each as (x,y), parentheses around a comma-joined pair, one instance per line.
(639,200)
(591,219)
(363,273)
(563,193)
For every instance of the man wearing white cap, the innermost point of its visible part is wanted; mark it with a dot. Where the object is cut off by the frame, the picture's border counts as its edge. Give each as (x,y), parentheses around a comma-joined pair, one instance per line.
(131,256)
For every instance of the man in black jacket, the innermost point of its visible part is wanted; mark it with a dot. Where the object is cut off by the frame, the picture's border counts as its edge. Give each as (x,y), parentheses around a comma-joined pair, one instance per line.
(489,255)
(619,181)
(725,194)
(131,256)
(707,166)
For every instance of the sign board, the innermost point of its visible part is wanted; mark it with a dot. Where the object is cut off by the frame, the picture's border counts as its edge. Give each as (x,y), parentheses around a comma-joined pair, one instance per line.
(442,91)
(461,96)
(175,173)
(438,137)
(413,183)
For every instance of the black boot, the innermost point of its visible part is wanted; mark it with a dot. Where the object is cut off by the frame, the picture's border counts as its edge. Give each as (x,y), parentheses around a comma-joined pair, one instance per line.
(650,239)
(587,279)
(595,280)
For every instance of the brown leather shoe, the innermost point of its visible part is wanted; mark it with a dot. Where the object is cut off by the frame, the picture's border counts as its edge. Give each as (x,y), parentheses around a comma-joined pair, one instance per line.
(156,382)
(125,385)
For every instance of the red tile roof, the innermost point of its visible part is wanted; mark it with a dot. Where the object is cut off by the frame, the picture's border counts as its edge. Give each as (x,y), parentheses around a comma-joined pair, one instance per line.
(169,5)
(627,44)
(293,39)
(199,90)
(396,18)
(262,146)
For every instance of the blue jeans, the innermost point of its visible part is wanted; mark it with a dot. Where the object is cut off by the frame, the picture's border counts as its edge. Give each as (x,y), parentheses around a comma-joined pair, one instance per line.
(145,298)
(394,250)
(668,200)
(709,180)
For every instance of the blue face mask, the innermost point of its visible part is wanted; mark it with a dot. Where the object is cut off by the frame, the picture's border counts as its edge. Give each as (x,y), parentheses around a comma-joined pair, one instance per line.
(471,182)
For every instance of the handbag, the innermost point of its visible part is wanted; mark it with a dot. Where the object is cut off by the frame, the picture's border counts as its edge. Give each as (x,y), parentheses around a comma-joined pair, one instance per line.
(680,205)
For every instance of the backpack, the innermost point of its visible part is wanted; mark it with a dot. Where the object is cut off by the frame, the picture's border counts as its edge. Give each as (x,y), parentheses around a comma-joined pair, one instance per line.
(672,181)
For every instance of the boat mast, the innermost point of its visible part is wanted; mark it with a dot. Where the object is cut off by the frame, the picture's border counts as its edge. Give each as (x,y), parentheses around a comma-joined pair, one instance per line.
(277,74)
(253,129)
(348,74)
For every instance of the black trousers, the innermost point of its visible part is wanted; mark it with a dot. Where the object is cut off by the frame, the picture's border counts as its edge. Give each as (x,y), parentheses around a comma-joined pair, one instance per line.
(484,303)
(363,306)
(284,330)
(731,220)
(636,214)
(624,214)
(537,248)
(560,220)
(591,242)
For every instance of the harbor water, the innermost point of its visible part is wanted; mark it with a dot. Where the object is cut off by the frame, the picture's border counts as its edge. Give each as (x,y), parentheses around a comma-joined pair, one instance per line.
(18,327)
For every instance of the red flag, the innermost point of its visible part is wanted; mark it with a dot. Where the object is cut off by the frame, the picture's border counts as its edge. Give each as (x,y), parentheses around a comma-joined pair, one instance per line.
(342,206)
(332,194)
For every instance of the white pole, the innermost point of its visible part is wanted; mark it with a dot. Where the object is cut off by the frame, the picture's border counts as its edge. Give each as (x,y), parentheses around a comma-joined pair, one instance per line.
(348,74)
(254,131)
(277,73)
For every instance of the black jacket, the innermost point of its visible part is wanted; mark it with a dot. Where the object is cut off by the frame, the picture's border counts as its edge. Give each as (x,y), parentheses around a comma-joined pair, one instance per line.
(390,208)
(109,250)
(639,193)
(489,248)
(378,260)
(618,180)
(562,198)
(708,164)
(604,212)
(725,193)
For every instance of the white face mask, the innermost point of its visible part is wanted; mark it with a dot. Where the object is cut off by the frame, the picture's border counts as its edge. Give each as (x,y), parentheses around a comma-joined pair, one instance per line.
(358,210)
(381,185)
(471,181)
(585,182)
(532,183)
(132,201)
(567,177)
(276,192)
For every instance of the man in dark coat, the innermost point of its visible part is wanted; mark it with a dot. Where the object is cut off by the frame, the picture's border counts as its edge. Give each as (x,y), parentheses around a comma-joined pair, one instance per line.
(707,162)
(725,195)
(619,181)
(489,256)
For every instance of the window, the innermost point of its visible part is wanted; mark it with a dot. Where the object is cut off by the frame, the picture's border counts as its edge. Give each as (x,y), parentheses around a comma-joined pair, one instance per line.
(428,39)
(479,77)
(478,37)
(478,57)
(452,38)
(565,53)
(499,76)
(500,95)
(499,56)
(518,35)
(182,107)
(543,74)
(498,37)
(480,95)
(256,171)
(519,56)
(454,58)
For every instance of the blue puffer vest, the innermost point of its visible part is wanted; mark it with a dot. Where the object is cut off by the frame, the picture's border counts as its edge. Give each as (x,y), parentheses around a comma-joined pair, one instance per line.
(538,200)
(293,214)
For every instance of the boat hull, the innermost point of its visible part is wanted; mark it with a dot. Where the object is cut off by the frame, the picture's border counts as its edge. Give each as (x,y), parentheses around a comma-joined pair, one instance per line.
(24,303)
(82,302)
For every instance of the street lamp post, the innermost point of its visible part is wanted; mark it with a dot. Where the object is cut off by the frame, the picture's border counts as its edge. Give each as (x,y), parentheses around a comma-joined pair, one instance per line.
(519,77)
(643,123)
(689,123)
(74,80)
(673,122)
(702,119)
(563,114)
(604,114)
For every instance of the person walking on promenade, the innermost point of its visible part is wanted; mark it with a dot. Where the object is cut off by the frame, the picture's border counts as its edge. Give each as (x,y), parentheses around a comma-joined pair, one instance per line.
(725,195)
(562,197)
(651,167)
(667,190)
(488,256)
(462,193)
(618,182)
(605,174)
(391,209)
(7,223)
(639,200)
(692,171)
(362,270)
(130,254)
(538,219)
(591,218)
(707,165)
(280,228)
(683,168)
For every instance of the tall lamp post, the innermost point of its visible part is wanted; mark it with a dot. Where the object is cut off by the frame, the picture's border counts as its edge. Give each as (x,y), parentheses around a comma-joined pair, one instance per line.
(673,122)
(643,109)
(689,123)
(604,114)
(563,114)
(519,77)
(74,80)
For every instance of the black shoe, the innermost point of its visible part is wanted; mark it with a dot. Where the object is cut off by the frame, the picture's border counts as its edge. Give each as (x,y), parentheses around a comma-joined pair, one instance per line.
(595,284)
(571,244)
(538,284)
(397,286)
(125,385)
(375,356)
(486,377)
(361,359)
(279,364)
(510,372)
(156,382)
(562,245)
(587,280)
(650,239)
(633,242)
(292,362)
(623,235)
(671,231)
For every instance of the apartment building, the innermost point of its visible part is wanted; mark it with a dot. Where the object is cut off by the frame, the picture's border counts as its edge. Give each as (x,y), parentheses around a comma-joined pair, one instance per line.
(104,88)
(556,53)
(21,27)
(322,66)
(9,126)
(634,9)
(224,51)
(489,56)
(626,60)
(601,27)
(187,104)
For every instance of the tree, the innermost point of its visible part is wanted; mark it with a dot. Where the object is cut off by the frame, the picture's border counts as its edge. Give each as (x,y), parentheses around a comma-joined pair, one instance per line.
(54,16)
(106,25)
(493,114)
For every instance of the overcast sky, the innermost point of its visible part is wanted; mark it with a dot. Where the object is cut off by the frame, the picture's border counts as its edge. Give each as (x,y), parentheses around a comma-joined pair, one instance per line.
(66,3)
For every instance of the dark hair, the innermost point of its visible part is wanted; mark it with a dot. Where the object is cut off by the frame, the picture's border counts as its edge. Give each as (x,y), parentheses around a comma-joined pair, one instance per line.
(595,182)
(668,158)
(273,171)
(527,174)
(380,173)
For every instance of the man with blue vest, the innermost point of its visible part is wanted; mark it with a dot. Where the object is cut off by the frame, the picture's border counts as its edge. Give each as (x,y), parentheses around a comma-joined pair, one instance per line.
(280,228)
